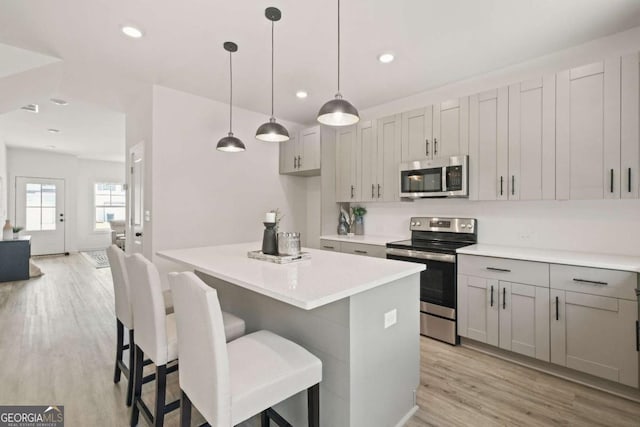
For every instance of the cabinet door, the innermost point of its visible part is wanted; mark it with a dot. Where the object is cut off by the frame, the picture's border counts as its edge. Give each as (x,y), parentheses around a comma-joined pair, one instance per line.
(346,165)
(595,334)
(451,128)
(417,134)
(629,127)
(488,145)
(368,142)
(289,155)
(532,140)
(588,131)
(477,310)
(524,319)
(388,169)
(309,148)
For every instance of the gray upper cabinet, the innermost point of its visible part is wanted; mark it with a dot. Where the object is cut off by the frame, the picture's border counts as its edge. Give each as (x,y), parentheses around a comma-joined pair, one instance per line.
(301,154)
(368,141)
(588,131)
(348,164)
(417,134)
(629,127)
(532,140)
(451,128)
(389,138)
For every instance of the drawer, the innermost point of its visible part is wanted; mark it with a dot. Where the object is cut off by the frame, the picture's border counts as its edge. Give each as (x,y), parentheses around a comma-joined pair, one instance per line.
(509,270)
(594,281)
(364,249)
(330,245)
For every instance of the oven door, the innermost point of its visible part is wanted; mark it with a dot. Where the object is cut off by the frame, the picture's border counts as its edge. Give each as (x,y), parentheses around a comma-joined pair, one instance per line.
(437,282)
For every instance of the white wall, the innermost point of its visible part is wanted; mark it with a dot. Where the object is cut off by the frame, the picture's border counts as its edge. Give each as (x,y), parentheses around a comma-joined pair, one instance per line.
(202,196)
(80,176)
(3,180)
(600,226)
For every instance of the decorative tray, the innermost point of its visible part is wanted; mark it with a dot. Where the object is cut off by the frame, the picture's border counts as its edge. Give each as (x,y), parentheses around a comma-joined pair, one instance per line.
(279,259)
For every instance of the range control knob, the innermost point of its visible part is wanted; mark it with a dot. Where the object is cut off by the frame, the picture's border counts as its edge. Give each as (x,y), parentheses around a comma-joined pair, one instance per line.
(418,223)
(463,226)
(413,223)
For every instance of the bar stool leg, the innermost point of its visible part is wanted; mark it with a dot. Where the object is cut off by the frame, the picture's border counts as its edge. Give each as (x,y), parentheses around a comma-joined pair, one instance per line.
(313,405)
(138,367)
(119,344)
(161,391)
(264,419)
(131,368)
(185,410)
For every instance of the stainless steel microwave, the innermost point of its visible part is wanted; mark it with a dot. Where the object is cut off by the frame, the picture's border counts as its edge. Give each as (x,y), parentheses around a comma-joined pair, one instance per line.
(435,178)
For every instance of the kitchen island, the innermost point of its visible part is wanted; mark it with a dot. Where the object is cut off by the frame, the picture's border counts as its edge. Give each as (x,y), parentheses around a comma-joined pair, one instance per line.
(359,315)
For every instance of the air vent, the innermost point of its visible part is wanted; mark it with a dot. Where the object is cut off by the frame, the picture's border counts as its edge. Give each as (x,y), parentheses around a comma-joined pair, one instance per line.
(33,108)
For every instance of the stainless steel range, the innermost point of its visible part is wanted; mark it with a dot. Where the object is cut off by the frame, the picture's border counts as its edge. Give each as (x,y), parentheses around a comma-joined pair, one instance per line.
(434,242)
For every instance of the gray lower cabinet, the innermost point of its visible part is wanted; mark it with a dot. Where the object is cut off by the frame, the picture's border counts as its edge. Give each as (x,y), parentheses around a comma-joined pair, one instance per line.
(14,259)
(354,248)
(330,245)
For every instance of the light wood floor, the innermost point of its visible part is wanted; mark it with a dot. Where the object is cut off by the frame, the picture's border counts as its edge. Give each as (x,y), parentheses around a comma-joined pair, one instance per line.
(57,340)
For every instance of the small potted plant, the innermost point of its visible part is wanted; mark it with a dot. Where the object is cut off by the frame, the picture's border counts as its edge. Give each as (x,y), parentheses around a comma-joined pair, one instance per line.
(16,231)
(358,213)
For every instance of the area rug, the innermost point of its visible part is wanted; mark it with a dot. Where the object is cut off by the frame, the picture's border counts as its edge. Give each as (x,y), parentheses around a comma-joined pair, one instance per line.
(97,258)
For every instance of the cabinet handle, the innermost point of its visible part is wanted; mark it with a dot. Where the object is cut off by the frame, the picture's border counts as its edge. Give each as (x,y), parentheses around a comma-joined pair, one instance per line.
(591,282)
(378,191)
(499,270)
(358,251)
(557,308)
(299,161)
(491,295)
(295,162)
(504,298)
(501,183)
(372,190)
(328,247)
(513,185)
(637,335)
(611,189)
(352,191)
(426,145)
(435,146)
(629,180)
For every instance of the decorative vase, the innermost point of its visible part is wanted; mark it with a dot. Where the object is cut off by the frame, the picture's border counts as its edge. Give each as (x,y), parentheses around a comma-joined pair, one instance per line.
(269,239)
(358,226)
(343,228)
(7,231)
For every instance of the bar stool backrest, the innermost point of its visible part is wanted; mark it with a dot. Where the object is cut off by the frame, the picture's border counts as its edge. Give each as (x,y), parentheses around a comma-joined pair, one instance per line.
(204,362)
(120,285)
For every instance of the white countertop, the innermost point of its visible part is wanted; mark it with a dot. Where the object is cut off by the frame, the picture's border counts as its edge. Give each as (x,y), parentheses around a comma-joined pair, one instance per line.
(325,278)
(584,259)
(367,239)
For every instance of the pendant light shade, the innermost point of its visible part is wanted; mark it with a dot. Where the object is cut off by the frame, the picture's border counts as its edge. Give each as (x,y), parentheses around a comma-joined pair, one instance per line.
(272,131)
(338,111)
(230,143)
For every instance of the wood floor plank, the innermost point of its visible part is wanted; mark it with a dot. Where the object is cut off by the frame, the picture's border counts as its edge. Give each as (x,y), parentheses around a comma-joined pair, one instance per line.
(57,344)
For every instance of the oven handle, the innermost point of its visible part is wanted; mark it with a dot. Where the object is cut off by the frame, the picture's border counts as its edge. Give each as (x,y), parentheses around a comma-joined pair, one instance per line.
(431,256)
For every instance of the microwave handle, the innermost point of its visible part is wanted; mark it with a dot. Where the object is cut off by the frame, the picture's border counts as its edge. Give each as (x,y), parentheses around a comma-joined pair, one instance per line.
(444,179)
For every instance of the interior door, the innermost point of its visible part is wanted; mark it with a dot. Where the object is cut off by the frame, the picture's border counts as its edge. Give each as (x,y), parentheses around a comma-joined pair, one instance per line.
(136,200)
(40,210)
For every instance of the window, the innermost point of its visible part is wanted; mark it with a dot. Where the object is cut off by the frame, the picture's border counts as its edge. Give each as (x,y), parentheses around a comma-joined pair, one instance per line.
(41,207)
(110,204)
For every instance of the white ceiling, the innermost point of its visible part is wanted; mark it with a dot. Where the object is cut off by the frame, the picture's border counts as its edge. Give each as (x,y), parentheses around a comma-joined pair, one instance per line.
(435,42)
(15,60)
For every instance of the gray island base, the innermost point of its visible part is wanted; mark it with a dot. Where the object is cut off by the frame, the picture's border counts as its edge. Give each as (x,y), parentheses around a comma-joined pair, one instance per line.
(370,372)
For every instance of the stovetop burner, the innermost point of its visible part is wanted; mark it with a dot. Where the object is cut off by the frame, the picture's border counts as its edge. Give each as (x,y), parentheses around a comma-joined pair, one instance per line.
(441,235)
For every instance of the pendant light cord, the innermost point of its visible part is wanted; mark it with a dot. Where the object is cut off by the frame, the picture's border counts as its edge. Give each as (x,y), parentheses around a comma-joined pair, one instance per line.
(230,93)
(338,46)
(272,49)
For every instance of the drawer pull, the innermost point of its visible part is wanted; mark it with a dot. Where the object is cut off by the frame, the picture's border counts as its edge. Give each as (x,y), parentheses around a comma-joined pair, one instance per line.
(499,270)
(504,298)
(358,251)
(328,247)
(491,295)
(590,282)
(557,308)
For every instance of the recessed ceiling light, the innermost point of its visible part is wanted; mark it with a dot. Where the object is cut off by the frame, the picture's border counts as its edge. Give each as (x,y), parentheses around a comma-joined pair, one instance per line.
(133,32)
(301,94)
(59,101)
(385,58)
(52,130)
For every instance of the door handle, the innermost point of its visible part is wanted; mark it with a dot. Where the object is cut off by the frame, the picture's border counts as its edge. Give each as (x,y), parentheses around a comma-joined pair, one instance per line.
(504,298)
(491,300)
(378,191)
(501,184)
(61,220)
(513,185)
(557,308)
(426,145)
(611,181)
(372,191)
(435,146)
(138,234)
(295,162)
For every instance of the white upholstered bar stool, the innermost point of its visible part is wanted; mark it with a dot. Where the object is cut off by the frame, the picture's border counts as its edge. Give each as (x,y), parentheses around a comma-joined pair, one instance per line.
(230,383)
(156,336)
(124,316)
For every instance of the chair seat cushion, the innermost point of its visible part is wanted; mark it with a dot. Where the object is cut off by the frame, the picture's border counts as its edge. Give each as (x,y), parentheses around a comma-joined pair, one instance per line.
(266,369)
(234,326)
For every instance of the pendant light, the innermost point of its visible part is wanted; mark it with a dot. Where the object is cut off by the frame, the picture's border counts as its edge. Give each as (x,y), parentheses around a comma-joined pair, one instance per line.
(272,131)
(230,143)
(338,111)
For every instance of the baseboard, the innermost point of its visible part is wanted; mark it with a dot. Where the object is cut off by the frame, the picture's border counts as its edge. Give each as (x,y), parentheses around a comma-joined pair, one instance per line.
(587,380)
(407,416)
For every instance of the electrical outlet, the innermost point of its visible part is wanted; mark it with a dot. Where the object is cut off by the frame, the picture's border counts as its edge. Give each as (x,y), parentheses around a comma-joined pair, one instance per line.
(390,318)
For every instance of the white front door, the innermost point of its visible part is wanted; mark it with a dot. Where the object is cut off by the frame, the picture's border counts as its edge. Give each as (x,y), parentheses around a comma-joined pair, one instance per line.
(136,200)
(40,210)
